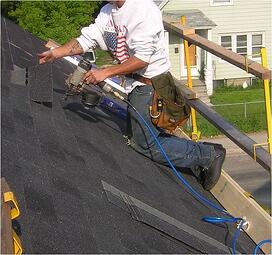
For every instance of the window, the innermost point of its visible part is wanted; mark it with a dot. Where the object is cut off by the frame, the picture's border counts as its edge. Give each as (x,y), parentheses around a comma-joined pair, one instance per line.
(257,44)
(226,42)
(244,44)
(241,45)
(221,2)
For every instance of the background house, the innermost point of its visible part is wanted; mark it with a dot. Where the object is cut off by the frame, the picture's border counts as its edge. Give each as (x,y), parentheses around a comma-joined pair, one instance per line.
(239,25)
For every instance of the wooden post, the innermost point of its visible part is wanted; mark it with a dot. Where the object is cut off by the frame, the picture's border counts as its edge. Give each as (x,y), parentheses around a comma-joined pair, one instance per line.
(267,102)
(195,133)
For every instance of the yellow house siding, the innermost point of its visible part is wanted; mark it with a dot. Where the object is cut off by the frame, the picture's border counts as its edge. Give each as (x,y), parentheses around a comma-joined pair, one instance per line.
(174,42)
(244,16)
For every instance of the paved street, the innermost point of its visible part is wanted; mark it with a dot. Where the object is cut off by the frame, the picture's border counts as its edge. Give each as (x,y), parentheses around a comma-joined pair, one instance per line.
(243,169)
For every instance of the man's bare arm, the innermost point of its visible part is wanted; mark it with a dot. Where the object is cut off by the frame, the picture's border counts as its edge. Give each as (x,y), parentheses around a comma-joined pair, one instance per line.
(133,64)
(71,48)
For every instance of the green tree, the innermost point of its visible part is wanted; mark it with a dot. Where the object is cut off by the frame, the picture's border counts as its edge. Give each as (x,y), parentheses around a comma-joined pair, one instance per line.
(8,6)
(58,20)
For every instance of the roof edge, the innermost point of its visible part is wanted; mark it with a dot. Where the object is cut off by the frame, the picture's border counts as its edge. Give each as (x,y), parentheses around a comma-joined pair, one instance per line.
(163,4)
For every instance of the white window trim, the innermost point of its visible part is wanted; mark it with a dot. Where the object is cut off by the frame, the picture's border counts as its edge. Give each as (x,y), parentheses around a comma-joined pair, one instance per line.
(166,37)
(219,39)
(233,42)
(247,46)
(212,3)
(258,59)
(249,43)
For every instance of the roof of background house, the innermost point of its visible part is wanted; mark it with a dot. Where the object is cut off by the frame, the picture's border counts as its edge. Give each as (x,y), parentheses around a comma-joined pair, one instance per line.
(80,188)
(161,3)
(194,18)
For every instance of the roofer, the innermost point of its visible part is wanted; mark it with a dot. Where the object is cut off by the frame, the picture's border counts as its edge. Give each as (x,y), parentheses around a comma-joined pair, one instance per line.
(132,30)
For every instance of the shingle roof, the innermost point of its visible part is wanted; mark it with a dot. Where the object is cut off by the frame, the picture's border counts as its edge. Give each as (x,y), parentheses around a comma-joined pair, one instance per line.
(80,188)
(160,2)
(194,18)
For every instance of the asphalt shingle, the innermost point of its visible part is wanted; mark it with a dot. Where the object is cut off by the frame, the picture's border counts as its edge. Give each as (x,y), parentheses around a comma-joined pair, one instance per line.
(55,157)
(194,18)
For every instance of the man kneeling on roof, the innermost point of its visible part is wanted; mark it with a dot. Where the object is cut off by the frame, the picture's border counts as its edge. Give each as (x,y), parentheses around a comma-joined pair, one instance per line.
(132,30)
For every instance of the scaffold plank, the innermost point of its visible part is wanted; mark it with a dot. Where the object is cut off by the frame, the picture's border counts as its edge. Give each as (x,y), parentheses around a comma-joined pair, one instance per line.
(217,50)
(230,56)
(234,200)
(173,24)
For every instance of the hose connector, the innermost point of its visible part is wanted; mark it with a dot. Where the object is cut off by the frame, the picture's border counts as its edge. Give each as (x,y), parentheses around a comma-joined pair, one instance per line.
(118,95)
(245,224)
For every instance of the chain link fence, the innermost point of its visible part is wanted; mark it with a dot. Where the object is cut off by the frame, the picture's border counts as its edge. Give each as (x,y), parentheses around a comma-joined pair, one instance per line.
(246,110)
(247,117)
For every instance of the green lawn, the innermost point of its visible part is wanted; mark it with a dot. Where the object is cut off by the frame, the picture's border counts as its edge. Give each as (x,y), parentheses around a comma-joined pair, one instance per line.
(226,96)
(247,117)
(103,58)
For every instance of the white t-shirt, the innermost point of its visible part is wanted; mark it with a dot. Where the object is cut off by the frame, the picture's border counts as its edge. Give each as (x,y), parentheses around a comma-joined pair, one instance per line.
(135,29)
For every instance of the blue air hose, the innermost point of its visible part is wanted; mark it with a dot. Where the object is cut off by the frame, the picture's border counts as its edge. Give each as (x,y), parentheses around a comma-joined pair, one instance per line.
(197,195)
(260,244)
(220,220)
(178,175)
(236,235)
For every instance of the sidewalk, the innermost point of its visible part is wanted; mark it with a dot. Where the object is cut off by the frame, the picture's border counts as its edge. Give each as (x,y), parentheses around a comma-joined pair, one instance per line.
(231,147)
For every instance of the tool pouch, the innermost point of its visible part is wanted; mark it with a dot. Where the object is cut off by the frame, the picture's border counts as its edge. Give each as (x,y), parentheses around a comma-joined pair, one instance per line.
(169,109)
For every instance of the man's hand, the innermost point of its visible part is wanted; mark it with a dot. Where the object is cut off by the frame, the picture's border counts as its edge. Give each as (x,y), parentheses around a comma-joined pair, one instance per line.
(133,64)
(46,57)
(96,76)
(71,48)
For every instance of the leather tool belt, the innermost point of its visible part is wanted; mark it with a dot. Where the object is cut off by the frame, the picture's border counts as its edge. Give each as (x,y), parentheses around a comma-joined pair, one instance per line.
(169,109)
(138,77)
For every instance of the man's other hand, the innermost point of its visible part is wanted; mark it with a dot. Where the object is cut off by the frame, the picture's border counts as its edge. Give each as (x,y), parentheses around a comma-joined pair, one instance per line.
(46,57)
(96,76)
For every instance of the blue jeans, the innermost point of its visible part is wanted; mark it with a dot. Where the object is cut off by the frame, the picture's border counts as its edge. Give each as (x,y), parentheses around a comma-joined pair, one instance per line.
(182,152)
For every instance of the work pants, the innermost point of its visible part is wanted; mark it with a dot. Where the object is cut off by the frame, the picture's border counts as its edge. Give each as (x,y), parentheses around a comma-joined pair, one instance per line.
(182,152)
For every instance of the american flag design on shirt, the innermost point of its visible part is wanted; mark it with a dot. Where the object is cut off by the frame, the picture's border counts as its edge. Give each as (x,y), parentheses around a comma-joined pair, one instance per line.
(116,43)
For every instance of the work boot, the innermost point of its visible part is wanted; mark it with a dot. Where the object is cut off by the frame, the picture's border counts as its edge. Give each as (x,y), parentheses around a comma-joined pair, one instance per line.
(214,144)
(210,176)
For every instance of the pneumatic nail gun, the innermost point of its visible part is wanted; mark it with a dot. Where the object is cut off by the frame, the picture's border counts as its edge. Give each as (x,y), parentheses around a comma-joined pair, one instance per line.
(89,96)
